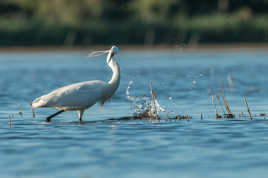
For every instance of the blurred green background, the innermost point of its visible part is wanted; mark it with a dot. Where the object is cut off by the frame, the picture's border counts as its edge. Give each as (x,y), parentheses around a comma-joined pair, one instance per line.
(132,22)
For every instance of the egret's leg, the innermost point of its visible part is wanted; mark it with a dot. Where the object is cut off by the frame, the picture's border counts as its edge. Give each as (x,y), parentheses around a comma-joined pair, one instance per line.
(53,115)
(101,105)
(80,115)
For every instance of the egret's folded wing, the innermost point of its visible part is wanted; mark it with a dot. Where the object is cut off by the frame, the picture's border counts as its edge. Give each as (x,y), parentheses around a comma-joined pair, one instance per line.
(75,95)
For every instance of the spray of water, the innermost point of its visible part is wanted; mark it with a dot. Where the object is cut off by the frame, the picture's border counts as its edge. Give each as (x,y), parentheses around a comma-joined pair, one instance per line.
(145,106)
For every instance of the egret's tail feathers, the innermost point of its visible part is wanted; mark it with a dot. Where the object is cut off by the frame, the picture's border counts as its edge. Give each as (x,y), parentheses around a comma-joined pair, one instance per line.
(37,103)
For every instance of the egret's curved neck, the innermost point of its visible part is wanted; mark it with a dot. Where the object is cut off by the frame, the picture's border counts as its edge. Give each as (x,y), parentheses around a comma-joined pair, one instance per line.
(115,80)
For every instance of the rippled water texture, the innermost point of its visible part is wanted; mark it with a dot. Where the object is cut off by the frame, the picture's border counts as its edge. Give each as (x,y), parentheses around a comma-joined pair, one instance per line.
(183,82)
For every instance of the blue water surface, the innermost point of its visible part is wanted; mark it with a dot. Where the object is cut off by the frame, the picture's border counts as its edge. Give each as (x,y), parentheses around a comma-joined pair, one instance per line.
(184,82)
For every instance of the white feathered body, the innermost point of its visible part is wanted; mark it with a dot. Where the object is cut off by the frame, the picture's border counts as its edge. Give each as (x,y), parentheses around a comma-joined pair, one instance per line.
(75,96)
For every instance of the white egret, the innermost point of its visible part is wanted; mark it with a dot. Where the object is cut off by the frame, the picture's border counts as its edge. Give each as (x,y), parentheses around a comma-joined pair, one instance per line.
(80,96)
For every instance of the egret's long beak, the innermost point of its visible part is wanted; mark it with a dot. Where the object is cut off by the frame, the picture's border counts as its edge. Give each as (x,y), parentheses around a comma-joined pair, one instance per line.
(98,53)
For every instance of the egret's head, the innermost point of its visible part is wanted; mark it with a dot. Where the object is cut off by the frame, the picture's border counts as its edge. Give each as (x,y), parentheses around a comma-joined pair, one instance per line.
(114,50)
(111,52)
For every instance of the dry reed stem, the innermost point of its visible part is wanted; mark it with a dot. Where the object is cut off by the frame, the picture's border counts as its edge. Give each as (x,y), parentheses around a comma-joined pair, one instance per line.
(219,103)
(229,113)
(9,121)
(230,82)
(20,111)
(246,103)
(153,115)
(215,107)
(225,103)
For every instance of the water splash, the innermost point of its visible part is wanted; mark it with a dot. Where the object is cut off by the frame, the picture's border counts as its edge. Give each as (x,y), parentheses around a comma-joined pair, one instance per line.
(130,98)
(145,106)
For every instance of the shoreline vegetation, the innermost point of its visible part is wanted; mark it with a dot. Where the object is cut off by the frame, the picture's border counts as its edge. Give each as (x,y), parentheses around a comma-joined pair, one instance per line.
(185,32)
(83,23)
(179,48)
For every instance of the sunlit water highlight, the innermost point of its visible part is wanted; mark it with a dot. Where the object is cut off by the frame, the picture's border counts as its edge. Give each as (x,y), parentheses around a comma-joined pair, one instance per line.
(183,83)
